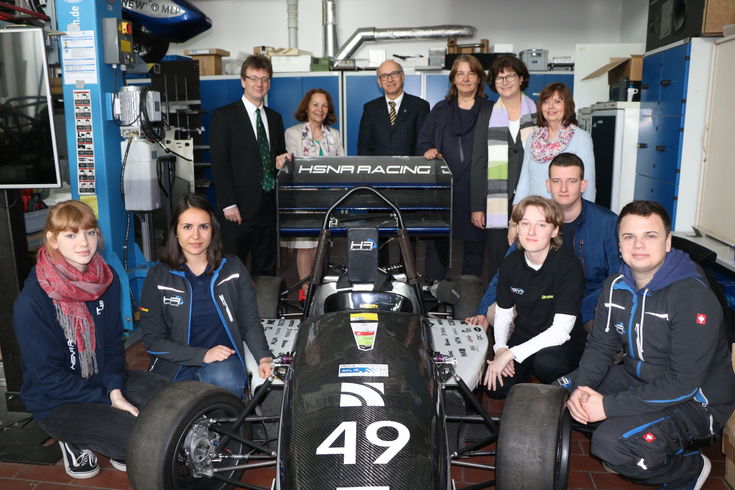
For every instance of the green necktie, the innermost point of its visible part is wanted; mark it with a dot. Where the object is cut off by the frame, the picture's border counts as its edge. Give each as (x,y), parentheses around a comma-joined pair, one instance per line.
(269,179)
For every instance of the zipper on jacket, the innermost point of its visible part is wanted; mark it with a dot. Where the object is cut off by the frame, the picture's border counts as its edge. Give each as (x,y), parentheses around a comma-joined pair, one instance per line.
(215,275)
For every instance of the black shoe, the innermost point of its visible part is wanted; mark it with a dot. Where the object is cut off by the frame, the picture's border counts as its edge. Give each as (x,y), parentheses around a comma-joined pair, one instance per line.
(79,463)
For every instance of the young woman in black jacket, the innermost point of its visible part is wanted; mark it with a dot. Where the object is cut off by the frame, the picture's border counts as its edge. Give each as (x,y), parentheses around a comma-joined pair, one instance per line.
(198,306)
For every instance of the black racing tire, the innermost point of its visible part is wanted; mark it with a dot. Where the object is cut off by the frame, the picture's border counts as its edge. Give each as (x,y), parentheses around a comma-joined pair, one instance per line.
(534,437)
(470,294)
(155,459)
(268,291)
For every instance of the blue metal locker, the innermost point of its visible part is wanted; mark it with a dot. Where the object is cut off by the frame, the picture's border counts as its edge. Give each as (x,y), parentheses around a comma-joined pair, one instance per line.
(674,71)
(663,193)
(539,80)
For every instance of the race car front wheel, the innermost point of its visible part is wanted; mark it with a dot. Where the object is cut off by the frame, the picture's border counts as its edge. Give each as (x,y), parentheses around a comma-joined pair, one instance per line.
(175,441)
(534,437)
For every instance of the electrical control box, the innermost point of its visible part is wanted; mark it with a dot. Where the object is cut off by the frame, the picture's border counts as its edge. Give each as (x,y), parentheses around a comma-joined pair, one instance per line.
(118,41)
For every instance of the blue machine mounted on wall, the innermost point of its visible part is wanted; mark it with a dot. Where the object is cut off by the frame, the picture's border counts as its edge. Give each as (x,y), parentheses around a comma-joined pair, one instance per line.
(92,78)
(158,23)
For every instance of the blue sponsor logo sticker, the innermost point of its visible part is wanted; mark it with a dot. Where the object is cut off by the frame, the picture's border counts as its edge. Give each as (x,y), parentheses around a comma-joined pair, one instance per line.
(349,370)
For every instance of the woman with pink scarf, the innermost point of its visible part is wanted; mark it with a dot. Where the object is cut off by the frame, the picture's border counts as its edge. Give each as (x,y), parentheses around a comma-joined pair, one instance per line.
(314,137)
(557,133)
(69,329)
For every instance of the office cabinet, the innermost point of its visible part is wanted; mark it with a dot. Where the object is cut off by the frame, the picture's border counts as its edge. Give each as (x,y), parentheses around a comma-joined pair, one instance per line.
(614,130)
(673,96)
(287,90)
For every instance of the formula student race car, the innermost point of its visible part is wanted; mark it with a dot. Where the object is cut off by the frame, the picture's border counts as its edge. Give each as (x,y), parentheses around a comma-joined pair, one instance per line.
(364,390)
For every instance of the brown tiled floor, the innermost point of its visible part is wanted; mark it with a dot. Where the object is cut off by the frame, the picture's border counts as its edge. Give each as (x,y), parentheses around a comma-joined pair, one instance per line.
(586,472)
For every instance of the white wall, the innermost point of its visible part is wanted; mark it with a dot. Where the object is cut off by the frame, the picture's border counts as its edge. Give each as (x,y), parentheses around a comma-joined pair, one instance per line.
(556,25)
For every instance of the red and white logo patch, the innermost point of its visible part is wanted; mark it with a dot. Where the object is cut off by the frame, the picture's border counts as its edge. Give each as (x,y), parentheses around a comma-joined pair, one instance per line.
(648,437)
(701,319)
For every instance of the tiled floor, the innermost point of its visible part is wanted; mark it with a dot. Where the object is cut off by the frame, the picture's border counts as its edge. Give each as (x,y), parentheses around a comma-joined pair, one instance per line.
(586,472)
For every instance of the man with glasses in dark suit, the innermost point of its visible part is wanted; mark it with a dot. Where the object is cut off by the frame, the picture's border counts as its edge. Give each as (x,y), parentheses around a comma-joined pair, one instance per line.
(247,146)
(390,124)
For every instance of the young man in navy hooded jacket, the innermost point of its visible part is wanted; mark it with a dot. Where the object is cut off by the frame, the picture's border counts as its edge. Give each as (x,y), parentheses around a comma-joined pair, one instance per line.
(675,386)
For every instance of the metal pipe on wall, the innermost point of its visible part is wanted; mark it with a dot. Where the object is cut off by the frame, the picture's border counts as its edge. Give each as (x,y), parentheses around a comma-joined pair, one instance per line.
(364,34)
(329,26)
(292,7)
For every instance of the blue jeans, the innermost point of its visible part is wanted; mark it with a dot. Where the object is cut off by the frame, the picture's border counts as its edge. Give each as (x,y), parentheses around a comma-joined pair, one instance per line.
(228,374)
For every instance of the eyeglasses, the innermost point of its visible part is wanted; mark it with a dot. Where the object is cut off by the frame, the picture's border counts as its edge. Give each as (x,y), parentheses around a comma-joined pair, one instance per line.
(258,79)
(510,78)
(393,74)
(469,74)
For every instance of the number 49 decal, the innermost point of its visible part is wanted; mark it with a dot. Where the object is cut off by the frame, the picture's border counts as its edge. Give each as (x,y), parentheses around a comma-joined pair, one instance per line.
(349,450)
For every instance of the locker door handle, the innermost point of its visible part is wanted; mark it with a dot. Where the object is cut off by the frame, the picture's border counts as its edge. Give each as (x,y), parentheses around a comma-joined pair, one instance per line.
(642,145)
(660,148)
(665,83)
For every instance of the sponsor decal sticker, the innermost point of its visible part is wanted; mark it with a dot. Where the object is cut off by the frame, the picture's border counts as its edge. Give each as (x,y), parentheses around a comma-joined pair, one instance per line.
(701,319)
(649,437)
(364,245)
(365,329)
(350,370)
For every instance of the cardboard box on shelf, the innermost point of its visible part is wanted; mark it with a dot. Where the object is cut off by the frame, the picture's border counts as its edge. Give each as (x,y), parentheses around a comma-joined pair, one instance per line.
(291,63)
(210,59)
(630,68)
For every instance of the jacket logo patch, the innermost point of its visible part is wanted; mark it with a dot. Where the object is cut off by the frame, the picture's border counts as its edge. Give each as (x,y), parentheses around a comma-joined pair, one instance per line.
(649,437)
(701,319)
(620,328)
(173,300)
(518,291)
(547,296)
(100,308)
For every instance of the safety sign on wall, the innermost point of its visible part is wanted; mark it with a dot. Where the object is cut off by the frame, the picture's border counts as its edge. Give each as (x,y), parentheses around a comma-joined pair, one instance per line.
(84,141)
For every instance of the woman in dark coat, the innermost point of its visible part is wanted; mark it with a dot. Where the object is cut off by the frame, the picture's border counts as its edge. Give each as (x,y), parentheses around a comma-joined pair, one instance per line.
(449,133)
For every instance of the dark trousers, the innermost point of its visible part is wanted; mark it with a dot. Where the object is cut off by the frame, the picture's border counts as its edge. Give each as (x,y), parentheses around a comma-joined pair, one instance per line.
(101,428)
(547,365)
(256,236)
(497,245)
(437,255)
(655,447)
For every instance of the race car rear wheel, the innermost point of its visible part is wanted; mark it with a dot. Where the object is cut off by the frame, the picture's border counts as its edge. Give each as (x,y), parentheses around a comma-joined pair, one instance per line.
(268,292)
(470,294)
(534,437)
(173,437)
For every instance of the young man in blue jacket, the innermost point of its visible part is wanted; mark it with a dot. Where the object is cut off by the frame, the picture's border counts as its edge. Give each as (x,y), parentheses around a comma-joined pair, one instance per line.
(675,386)
(588,232)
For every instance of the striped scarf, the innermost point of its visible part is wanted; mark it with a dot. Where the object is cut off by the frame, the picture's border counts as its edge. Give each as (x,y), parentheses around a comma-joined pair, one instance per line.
(497,158)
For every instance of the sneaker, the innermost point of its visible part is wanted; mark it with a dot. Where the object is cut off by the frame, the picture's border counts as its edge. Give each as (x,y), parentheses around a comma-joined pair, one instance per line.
(79,463)
(697,481)
(702,477)
(119,464)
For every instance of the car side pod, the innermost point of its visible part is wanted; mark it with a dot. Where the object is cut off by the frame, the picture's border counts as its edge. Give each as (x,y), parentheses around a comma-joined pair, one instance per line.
(534,437)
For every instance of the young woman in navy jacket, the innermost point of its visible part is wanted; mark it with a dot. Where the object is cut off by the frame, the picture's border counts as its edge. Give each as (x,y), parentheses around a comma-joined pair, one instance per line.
(69,329)
(198,306)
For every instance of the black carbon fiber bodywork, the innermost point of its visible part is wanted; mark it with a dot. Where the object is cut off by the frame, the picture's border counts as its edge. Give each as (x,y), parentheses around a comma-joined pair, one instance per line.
(317,408)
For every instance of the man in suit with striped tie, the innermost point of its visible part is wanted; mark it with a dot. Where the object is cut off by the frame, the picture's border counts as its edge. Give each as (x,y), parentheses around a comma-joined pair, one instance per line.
(390,124)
